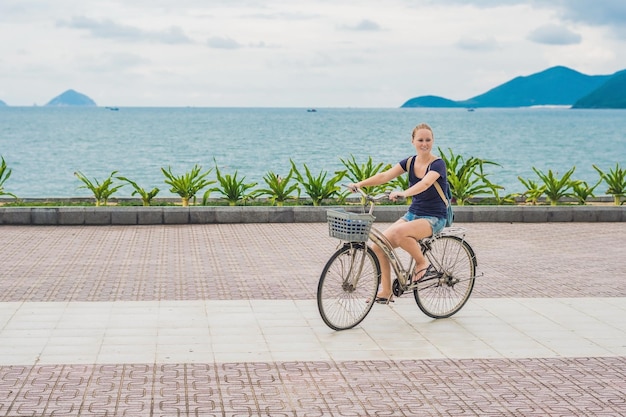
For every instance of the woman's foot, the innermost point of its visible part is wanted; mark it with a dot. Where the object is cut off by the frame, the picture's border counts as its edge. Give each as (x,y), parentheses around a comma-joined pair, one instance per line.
(419,274)
(383,298)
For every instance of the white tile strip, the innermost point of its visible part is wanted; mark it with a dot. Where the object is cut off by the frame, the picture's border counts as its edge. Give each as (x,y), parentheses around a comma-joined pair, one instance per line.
(287,330)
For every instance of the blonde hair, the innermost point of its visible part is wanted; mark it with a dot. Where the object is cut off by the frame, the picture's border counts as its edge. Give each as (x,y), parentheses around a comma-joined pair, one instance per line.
(422,126)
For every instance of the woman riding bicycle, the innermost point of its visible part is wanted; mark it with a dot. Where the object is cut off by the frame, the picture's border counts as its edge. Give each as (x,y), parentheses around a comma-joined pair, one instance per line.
(426,215)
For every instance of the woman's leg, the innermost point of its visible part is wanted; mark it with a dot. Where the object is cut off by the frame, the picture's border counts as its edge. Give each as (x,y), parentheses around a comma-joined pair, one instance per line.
(385,273)
(406,235)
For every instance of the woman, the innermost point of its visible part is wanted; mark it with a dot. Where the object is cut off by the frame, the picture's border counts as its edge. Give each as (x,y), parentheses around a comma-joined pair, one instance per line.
(426,215)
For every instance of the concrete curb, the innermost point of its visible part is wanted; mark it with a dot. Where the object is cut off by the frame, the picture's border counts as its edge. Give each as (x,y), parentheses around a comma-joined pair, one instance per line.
(100,216)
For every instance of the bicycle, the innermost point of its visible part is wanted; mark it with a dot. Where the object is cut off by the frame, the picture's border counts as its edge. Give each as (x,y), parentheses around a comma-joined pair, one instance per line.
(350,279)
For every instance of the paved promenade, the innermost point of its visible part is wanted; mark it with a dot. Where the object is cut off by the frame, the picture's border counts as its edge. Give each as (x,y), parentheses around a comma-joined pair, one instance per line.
(221,320)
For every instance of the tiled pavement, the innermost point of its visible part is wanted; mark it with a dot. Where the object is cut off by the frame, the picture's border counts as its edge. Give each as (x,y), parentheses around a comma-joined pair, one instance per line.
(221,320)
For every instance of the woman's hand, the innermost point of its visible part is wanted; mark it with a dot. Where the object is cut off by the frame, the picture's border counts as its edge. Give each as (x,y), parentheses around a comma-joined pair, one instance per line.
(394,195)
(352,187)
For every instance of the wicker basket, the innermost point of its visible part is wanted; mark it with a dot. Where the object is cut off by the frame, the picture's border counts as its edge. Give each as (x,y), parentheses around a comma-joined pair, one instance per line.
(351,227)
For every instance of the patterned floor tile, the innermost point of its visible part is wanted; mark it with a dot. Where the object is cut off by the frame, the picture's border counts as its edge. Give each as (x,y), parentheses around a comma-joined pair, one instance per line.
(546,387)
(283,261)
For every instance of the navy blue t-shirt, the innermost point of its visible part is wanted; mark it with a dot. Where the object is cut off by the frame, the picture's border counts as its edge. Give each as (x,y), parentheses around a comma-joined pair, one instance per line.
(428,202)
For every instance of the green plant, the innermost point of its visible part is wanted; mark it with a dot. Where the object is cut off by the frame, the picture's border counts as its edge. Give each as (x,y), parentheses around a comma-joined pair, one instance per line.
(234,190)
(188,184)
(616,180)
(360,172)
(318,188)
(146,196)
(466,177)
(555,187)
(582,191)
(279,190)
(533,190)
(5,174)
(101,191)
(497,199)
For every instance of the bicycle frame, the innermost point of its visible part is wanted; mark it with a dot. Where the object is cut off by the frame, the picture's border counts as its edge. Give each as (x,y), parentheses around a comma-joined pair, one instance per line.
(379,239)
(403,275)
(348,286)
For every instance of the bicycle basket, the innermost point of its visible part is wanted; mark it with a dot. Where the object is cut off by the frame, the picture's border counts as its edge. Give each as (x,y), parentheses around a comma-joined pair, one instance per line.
(351,227)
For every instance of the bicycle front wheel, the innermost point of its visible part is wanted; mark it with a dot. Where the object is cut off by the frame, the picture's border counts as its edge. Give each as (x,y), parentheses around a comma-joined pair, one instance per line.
(348,285)
(445,292)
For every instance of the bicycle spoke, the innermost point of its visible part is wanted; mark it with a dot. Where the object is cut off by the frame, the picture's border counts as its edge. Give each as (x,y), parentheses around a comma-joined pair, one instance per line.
(348,286)
(444,295)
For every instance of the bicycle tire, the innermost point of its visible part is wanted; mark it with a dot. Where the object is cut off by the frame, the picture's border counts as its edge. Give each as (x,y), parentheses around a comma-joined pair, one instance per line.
(348,285)
(446,292)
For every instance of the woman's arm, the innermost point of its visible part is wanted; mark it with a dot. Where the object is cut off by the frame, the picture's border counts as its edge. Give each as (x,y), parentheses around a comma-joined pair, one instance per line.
(421,186)
(381,177)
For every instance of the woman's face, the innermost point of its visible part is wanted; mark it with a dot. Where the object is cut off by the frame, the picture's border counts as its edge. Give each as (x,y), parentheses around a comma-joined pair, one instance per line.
(423,140)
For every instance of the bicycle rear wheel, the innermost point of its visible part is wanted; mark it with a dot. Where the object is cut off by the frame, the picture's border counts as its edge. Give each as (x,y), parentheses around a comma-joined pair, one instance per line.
(348,285)
(443,294)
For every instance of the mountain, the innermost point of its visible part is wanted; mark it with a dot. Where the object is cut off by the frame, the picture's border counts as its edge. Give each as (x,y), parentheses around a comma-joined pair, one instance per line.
(430,101)
(2,103)
(554,86)
(71,98)
(610,95)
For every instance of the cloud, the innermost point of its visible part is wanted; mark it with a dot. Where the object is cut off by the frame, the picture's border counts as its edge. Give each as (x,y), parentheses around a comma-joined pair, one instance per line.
(113,62)
(477,44)
(223,43)
(108,29)
(599,12)
(609,13)
(554,35)
(365,25)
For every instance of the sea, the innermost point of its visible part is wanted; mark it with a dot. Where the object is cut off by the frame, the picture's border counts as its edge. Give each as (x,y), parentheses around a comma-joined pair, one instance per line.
(45,146)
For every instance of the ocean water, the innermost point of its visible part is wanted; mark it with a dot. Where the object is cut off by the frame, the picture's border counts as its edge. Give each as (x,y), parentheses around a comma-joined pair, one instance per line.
(45,146)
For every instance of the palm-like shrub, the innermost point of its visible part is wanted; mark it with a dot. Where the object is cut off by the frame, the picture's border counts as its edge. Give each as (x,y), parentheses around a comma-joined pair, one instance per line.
(582,191)
(101,191)
(279,189)
(533,192)
(496,197)
(318,188)
(616,180)
(231,188)
(146,196)
(187,185)
(466,178)
(555,187)
(5,174)
(358,172)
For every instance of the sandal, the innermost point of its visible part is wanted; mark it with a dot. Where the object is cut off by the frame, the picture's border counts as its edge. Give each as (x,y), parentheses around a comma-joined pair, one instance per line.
(382,300)
(429,270)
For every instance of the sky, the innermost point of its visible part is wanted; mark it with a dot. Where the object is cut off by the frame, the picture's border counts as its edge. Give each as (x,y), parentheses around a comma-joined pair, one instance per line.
(293,53)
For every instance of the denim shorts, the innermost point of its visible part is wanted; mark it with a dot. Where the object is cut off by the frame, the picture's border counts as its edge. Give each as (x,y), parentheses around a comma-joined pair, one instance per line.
(436,223)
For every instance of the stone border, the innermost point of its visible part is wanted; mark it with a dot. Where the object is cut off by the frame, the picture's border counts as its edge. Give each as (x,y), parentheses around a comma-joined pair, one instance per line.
(100,216)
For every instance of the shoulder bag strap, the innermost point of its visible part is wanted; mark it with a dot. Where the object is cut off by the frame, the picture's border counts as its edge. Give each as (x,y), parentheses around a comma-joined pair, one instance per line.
(409,164)
(438,187)
(440,191)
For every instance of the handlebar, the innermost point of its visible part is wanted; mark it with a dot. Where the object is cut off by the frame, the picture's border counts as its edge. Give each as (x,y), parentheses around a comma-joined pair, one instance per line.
(369,197)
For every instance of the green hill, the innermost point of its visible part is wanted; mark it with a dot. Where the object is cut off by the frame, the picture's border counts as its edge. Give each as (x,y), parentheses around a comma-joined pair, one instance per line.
(430,101)
(557,86)
(610,95)
(71,98)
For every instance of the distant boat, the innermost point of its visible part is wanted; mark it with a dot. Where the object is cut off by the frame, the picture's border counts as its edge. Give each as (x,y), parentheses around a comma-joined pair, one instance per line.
(311,110)
(470,109)
(113,108)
